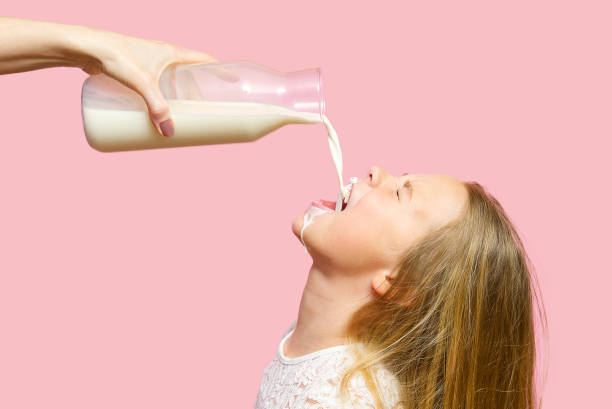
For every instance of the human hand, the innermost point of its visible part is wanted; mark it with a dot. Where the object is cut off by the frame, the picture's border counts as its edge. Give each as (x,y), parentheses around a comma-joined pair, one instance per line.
(138,64)
(135,62)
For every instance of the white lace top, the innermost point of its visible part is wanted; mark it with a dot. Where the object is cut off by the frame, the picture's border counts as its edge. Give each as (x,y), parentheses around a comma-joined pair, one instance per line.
(313,381)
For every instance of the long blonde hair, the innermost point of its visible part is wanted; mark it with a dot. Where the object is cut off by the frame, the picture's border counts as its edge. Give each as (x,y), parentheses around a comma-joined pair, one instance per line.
(457,325)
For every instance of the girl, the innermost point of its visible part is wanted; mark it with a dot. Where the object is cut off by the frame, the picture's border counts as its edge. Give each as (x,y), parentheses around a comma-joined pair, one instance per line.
(419,296)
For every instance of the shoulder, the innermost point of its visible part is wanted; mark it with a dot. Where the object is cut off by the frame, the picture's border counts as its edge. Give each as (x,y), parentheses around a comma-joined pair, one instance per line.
(387,384)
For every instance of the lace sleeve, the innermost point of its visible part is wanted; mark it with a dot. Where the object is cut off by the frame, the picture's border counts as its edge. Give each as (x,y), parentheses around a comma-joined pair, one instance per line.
(360,396)
(314,382)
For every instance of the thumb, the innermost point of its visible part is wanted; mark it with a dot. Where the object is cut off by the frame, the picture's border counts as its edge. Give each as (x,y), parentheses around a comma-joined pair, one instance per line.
(159,110)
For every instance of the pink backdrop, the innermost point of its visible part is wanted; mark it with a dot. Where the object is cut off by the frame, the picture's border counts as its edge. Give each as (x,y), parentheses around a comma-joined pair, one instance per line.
(165,279)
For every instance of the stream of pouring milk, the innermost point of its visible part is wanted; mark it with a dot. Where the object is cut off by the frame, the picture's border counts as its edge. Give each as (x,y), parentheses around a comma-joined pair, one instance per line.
(336,152)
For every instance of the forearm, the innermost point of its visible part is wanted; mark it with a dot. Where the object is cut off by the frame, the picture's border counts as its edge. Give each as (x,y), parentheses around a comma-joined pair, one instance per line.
(27,45)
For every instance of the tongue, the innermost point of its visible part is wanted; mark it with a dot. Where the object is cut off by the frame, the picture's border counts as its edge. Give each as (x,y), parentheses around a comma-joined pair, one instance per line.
(328,203)
(332,205)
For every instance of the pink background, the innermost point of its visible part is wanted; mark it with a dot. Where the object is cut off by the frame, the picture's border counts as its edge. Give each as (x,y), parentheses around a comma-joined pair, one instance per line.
(159,279)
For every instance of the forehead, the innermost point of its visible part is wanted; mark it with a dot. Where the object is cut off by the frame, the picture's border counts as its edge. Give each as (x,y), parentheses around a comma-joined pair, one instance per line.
(434,182)
(434,179)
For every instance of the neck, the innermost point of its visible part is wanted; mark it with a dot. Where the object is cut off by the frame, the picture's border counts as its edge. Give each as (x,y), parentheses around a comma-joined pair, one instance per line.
(327,305)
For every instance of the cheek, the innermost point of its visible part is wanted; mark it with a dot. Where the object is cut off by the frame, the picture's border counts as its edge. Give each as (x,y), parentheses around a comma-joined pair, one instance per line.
(349,244)
(364,231)
(379,228)
(405,232)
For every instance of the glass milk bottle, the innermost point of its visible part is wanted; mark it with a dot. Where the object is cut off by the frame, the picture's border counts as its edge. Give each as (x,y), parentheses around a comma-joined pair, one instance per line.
(210,103)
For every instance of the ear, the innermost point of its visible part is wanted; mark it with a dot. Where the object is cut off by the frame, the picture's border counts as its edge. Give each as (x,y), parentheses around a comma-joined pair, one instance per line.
(381,282)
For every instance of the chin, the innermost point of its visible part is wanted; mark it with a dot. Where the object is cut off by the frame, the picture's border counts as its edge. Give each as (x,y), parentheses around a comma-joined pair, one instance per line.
(296,225)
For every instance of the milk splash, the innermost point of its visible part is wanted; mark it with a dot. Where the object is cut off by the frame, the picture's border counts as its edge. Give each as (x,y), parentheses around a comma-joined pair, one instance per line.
(309,216)
(314,211)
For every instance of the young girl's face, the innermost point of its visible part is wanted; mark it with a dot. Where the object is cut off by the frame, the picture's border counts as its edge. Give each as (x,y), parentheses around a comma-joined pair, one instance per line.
(385,214)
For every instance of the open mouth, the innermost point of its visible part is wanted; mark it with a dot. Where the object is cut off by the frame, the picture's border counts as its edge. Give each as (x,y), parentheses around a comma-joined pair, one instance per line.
(329,205)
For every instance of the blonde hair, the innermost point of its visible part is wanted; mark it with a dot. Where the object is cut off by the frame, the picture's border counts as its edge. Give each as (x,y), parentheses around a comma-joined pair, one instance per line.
(457,326)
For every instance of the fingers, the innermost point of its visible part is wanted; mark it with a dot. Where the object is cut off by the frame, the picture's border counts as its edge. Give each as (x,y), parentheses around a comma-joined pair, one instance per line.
(91,69)
(159,110)
(148,88)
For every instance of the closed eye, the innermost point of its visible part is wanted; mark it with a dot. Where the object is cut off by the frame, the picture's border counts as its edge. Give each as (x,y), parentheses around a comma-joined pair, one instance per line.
(406,185)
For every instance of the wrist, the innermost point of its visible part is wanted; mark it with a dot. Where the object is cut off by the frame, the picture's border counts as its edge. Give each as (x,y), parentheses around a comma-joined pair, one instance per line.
(84,47)
(30,44)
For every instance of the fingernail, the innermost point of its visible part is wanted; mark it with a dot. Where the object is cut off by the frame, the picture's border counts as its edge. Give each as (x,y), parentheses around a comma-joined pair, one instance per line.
(167,128)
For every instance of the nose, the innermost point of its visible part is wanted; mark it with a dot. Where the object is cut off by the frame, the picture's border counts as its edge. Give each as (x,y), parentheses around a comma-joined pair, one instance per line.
(378,176)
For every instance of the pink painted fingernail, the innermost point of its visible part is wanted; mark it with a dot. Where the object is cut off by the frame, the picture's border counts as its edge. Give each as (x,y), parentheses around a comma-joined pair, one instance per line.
(167,128)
